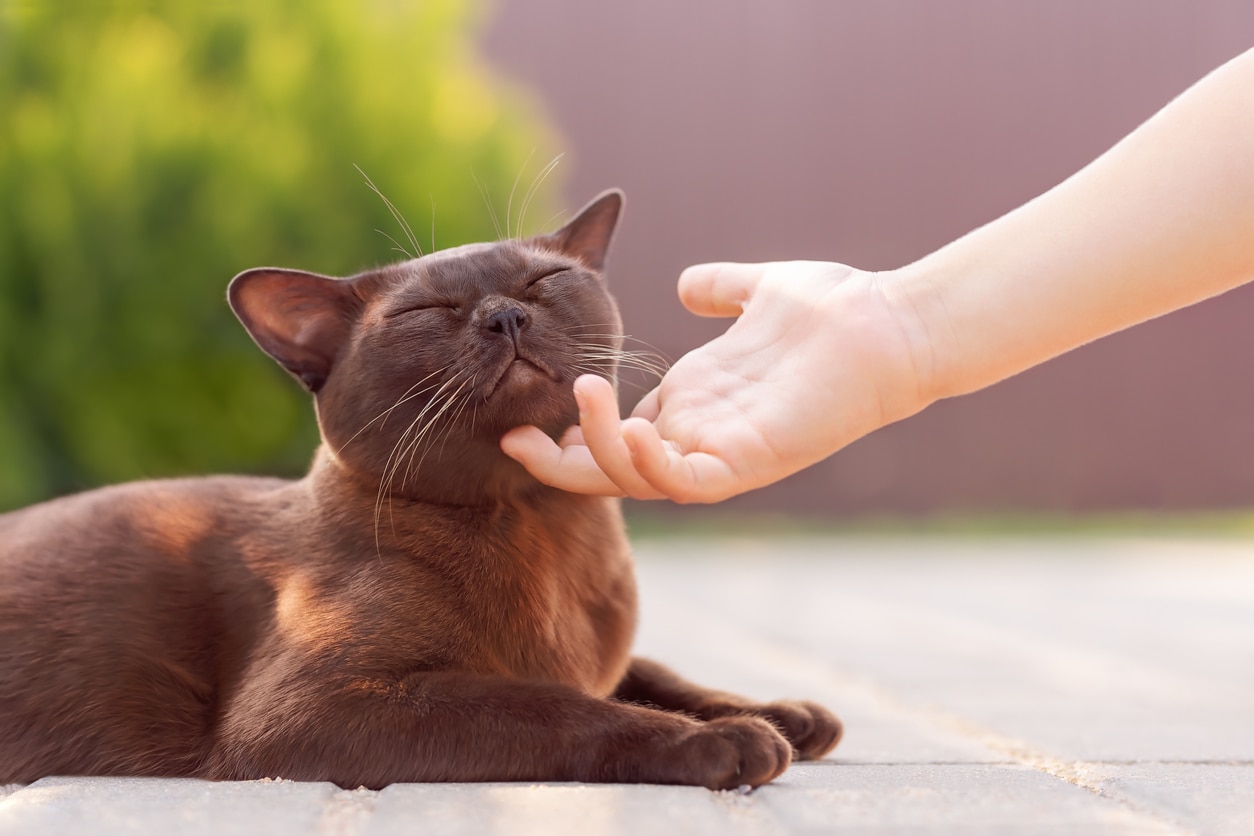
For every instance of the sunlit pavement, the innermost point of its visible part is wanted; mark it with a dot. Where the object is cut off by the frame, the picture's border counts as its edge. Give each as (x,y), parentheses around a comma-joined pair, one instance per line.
(987,686)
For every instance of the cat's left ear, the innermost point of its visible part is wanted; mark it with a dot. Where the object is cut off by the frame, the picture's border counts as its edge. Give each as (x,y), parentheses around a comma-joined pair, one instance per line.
(588,236)
(302,320)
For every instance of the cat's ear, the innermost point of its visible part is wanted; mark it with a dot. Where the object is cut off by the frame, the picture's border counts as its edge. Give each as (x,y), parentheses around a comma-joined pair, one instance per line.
(300,319)
(588,236)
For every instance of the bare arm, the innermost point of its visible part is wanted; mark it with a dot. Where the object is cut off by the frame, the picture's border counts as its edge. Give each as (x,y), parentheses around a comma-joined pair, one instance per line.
(822,354)
(1162,220)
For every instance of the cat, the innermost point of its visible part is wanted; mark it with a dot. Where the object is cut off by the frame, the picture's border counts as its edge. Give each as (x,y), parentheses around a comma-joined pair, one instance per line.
(416,608)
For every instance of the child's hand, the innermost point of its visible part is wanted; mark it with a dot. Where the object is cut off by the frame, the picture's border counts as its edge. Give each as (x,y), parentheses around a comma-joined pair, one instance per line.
(819,356)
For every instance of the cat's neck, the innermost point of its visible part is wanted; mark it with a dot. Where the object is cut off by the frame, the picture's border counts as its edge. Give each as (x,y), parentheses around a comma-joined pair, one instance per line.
(351,513)
(474,482)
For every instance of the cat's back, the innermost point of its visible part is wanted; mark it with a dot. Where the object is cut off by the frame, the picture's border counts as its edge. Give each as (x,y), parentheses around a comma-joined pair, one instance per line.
(120,609)
(141,549)
(157,514)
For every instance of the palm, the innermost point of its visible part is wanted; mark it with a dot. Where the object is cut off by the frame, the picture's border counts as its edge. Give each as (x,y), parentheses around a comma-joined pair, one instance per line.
(798,375)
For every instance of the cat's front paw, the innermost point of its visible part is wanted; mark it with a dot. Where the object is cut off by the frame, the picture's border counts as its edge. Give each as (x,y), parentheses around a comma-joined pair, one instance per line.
(812,730)
(733,751)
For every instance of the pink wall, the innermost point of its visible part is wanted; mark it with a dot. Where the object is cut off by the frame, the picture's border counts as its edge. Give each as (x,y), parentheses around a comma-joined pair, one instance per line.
(872,132)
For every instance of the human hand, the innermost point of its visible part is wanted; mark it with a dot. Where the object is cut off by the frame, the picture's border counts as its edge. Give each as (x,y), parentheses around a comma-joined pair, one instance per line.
(820,355)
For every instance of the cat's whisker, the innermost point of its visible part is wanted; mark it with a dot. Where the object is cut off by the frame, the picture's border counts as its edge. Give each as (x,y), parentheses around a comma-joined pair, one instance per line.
(394,459)
(404,444)
(453,420)
(652,352)
(449,402)
(432,220)
(396,244)
(556,219)
(644,361)
(487,201)
(416,423)
(387,412)
(419,437)
(606,366)
(399,218)
(612,336)
(634,360)
(535,187)
(509,205)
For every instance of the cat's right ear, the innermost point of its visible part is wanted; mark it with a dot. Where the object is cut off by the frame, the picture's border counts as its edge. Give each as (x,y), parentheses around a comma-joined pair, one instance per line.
(587,237)
(302,320)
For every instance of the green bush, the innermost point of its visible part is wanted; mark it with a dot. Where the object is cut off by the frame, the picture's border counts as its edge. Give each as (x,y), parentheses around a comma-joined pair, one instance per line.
(148,154)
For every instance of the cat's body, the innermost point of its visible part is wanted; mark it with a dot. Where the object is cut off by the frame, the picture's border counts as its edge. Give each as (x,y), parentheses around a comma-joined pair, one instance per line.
(416,608)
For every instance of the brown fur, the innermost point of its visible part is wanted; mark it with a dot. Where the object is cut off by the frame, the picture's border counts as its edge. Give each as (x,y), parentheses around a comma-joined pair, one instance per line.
(414,609)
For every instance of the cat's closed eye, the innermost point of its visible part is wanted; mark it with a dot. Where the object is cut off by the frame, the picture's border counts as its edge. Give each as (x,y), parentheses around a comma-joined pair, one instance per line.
(426,306)
(534,282)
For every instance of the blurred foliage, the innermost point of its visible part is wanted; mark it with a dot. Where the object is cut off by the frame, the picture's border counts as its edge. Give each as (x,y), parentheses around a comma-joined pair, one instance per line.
(148,152)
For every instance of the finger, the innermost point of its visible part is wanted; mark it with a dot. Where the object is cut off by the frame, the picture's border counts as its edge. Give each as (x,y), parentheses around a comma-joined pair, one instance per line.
(719,289)
(682,477)
(598,418)
(572,436)
(649,406)
(569,468)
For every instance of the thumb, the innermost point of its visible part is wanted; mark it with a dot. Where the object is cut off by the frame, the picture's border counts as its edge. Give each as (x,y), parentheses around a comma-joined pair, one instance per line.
(719,289)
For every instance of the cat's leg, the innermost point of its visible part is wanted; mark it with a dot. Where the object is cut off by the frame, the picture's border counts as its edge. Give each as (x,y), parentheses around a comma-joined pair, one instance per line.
(812,729)
(451,726)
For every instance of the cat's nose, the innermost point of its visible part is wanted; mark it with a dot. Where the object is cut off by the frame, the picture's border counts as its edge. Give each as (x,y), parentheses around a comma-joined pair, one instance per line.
(510,321)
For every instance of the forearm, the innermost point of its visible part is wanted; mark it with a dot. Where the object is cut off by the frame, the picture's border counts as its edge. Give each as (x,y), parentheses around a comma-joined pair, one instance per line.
(1162,220)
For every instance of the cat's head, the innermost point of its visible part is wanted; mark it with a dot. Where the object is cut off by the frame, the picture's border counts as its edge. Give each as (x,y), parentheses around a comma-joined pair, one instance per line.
(419,367)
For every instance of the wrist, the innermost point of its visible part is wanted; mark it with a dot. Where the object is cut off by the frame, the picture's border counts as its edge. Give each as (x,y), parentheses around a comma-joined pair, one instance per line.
(918,312)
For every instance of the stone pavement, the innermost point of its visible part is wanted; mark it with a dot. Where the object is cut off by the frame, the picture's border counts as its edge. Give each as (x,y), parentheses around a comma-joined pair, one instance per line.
(987,686)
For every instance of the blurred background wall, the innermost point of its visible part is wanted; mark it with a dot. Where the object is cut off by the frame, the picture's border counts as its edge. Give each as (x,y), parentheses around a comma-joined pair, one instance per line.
(149,152)
(871,132)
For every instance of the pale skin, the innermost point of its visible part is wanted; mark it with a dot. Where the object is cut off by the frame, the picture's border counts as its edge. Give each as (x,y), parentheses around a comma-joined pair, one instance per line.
(822,354)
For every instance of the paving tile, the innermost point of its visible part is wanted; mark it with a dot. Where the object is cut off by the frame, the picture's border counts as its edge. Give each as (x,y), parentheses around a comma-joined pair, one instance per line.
(1085,651)
(713,650)
(951,798)
(1216,799)
(125,806)
(548,809)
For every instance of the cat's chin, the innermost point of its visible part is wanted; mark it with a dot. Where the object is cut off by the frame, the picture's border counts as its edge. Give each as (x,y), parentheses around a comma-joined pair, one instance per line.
(522,374)
(528,394)
(521,378)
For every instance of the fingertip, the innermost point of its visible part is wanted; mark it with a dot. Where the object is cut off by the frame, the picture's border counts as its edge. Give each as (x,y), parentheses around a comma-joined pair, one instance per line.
(598,403)
(682,478)
(649,406)
(634,426)
(518,442)
(567,466)
(718,288)
(591,385)
(698,272)
(631,438)
(508,442)
(695,280)
(648,454)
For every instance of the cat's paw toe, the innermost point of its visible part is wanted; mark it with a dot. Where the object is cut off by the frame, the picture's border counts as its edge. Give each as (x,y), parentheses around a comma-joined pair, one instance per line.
(812,730)
(735,751)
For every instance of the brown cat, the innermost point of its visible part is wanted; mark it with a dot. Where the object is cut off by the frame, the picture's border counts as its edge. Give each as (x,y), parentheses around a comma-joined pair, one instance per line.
(417,608)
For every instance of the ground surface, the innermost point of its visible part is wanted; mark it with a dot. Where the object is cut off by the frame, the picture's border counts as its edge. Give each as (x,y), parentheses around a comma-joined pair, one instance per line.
(989,686)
